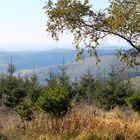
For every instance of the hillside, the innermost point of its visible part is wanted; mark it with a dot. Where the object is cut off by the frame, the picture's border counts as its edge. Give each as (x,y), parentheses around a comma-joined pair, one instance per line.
(43,61)
(25,60)
(76,69)
(29,59)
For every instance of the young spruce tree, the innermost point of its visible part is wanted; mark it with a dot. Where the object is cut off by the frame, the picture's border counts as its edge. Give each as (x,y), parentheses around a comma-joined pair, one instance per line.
(114,91)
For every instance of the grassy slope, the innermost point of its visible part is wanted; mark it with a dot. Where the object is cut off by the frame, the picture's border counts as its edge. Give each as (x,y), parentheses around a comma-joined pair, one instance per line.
(82,123)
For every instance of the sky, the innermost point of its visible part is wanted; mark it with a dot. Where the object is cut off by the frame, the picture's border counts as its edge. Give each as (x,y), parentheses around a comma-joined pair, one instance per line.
(23,22)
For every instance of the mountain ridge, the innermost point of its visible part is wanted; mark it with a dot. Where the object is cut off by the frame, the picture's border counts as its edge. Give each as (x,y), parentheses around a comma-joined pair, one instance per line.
(29,59)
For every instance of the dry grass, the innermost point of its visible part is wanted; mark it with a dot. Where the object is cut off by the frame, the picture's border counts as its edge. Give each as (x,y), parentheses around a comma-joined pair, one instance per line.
(82,123)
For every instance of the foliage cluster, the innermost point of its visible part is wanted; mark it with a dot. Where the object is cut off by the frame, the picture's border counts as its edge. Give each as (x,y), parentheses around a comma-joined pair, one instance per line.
(121,19)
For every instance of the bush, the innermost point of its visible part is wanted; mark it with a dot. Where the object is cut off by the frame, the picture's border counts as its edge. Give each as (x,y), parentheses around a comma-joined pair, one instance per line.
(84,89)
(56,96)
(33,88)
(20,94)
(12,88)
(25,110)
(55,100)
(134,101)
(113,92)
(13,91)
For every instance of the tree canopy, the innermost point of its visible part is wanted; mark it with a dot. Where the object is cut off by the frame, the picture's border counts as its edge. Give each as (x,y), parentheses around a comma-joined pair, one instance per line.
(121,19)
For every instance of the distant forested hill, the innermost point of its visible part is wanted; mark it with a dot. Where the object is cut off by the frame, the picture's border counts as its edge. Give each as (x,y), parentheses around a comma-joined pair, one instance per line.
(43,61)
(26,60)
(77,69)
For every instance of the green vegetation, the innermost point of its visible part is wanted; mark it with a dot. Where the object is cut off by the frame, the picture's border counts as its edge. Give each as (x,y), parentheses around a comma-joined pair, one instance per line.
(56,99)
(85,88)
(114,91)
(82,109)
(13,89)
(134,101)
(26,95)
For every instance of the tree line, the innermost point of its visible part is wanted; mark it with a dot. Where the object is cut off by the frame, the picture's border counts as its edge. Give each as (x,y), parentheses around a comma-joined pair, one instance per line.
(59,94)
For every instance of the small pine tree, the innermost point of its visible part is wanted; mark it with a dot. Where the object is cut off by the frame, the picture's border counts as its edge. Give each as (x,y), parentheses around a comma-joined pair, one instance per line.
(13,92)
(51,78)
(33,88)
(63,77)
(55,98)
(25,110)
(12,88)
(64,80)
(34,78)
(11,69)
(87,86)
(114,91)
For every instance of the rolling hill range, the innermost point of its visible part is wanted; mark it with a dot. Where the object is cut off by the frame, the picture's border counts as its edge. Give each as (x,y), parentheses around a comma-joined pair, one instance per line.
(29,59)
(43,61)
(77,69)
(26,60)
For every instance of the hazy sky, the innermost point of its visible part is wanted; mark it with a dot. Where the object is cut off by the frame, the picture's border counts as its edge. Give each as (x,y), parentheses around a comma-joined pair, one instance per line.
(23,22)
